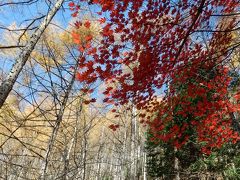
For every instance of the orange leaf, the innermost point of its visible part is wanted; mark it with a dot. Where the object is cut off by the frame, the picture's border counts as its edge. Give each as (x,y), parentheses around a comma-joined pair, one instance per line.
(88,38)
(81,48)
(75,37)
(102,20)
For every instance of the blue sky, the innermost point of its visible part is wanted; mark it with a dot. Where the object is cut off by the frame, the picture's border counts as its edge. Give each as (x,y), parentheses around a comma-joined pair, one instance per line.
(22,15)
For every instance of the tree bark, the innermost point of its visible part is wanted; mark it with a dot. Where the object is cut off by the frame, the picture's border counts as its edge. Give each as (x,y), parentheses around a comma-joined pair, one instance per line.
(176,165)
(7,85)
(59,119)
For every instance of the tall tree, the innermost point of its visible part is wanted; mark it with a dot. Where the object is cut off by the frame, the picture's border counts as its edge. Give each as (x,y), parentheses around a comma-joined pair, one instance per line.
(7,85)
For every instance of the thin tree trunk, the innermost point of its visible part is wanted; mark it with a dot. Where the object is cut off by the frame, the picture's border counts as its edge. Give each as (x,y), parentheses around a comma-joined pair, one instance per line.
(49,148)
(111,171)
(144,167)
(84,148)
(7,85)
(57,125)
(99,158)
(125,172)
(176,165)
(73,140)
(84,155)
(133,144)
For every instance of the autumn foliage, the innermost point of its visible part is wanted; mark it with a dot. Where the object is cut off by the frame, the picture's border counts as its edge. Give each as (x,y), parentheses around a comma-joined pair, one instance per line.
(157,42)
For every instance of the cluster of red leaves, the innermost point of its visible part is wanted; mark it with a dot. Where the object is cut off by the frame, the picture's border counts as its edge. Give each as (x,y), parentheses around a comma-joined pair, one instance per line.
(75,8)
(84,44)
(157,41)
(114,127)
(199,108)
(86,76)
(93,100)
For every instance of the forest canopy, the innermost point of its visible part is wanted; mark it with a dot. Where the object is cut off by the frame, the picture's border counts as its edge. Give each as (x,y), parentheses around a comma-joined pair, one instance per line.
(119,89)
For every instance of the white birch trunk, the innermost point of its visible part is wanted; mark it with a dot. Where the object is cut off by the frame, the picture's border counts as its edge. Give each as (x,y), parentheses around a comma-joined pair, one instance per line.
(111,172)
(144,167)
(125,154)
(84,157)
(176,166)
(99,158)
(49,148)
(66,168)
(59,119)
(82,169)
(7,85)
(73,140)
(133,145)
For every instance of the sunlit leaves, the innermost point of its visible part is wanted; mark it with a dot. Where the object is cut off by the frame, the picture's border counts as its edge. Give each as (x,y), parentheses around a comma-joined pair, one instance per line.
(156,43)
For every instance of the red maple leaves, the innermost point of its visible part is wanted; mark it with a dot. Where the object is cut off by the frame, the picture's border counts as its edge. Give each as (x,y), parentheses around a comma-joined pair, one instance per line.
(71,4)
(197,107)
(157,44)
(75,8)
(102,20)
(87,24)
(114,127)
